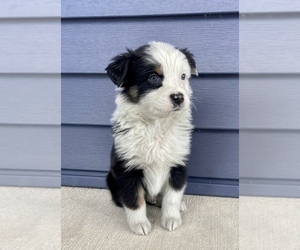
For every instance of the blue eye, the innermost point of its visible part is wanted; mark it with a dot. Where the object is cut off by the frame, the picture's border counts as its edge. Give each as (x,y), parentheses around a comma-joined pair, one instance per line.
(183,77)
(154,78)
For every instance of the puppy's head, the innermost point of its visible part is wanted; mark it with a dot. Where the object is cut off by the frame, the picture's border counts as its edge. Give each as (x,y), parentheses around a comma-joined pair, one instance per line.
(155,76)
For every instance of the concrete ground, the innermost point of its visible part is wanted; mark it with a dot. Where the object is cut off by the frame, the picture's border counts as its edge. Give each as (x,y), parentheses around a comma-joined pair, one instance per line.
(30,218)
(91,221)
(83,218)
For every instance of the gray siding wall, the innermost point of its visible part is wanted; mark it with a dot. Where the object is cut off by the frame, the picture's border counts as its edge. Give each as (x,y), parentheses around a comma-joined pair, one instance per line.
(269,98)
(263,45)
(30,93)
(93,32)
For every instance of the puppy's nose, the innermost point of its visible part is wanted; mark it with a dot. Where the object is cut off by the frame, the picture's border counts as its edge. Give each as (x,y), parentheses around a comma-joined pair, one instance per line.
(177,99)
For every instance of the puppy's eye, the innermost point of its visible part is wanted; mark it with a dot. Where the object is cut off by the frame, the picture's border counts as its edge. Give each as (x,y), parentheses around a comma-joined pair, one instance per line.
(183,77)
(154,78)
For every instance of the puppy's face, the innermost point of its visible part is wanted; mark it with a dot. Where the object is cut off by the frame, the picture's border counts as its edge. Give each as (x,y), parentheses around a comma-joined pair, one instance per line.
(156,76)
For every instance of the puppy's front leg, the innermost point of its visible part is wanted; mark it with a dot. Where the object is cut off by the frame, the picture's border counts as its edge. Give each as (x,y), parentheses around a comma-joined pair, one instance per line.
(171,203)
(136,215)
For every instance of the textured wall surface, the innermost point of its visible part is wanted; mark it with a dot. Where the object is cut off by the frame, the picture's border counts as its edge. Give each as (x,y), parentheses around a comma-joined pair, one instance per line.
(30,93)
(92,35)
(269,90)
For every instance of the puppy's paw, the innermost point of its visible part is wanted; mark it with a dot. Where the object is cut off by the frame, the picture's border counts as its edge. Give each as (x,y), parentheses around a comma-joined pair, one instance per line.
(183,207)
(171,224)
(142,228)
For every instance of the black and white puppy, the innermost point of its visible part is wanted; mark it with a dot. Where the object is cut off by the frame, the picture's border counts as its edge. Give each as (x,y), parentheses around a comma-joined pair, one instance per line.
(152,132)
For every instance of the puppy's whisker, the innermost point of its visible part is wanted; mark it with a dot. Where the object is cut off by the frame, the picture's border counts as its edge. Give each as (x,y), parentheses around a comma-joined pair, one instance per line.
(194,106)
(194,98)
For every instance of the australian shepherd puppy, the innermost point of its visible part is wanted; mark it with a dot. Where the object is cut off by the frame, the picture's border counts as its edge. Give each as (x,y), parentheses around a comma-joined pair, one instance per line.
(152,132)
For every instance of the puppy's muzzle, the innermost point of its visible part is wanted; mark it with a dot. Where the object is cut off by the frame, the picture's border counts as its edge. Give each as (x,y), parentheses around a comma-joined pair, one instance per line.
(177,99)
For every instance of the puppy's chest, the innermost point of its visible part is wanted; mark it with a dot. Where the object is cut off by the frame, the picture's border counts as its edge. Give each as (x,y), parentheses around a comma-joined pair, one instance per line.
(154,146)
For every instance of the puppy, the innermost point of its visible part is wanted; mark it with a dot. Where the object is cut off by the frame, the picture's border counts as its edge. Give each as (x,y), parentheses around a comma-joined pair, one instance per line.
(152,132)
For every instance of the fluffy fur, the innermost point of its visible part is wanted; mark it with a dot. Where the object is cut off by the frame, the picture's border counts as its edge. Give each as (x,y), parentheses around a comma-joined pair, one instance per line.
(152,132)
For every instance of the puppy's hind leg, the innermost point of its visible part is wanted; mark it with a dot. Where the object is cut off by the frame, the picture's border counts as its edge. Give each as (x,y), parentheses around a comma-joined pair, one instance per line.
(154,201)
(113,187)
(157,201)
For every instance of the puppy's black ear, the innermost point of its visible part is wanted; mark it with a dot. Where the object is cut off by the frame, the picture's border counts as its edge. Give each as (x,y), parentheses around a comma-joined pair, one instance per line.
(190,57)
(118,68)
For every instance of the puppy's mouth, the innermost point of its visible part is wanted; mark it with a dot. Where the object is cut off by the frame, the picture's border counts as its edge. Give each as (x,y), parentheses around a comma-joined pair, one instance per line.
(177,108)
(174,109)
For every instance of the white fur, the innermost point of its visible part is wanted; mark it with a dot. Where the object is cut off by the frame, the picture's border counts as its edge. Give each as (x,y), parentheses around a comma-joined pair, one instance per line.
(161,137)
(171,206)
(152,142)
(137,220)
(158,138)
(174,64)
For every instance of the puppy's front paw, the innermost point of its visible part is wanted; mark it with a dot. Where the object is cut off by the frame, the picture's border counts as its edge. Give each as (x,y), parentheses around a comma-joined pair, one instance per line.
(171,224)
(142,228)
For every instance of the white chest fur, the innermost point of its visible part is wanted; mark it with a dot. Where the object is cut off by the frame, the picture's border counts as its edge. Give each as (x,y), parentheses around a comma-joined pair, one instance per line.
(154,146)
(161,143)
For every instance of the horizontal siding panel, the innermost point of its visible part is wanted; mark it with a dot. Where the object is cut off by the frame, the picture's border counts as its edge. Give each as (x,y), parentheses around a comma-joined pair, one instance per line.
(269,43)
(212,187)
(30,178)
(214,154)
(268,6)
(270,187)
(86,147)
(89,99)
(269,101)
(30,99)
(30,147)
(33,8)
(269,154)
(216,100)
(89,44)
(108,8)
(30,45)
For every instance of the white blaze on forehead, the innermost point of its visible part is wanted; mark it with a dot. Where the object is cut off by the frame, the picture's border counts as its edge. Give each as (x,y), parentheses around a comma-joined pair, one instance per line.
(172,61)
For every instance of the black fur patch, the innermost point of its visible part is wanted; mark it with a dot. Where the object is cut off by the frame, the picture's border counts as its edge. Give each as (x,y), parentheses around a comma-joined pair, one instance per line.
(113,187)
(178,177)
(124,185)
(131,71)
(190,57)
(117,129)
(118,68)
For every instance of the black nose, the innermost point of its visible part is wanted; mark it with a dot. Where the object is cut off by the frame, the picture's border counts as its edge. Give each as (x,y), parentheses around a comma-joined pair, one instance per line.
(177,99)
